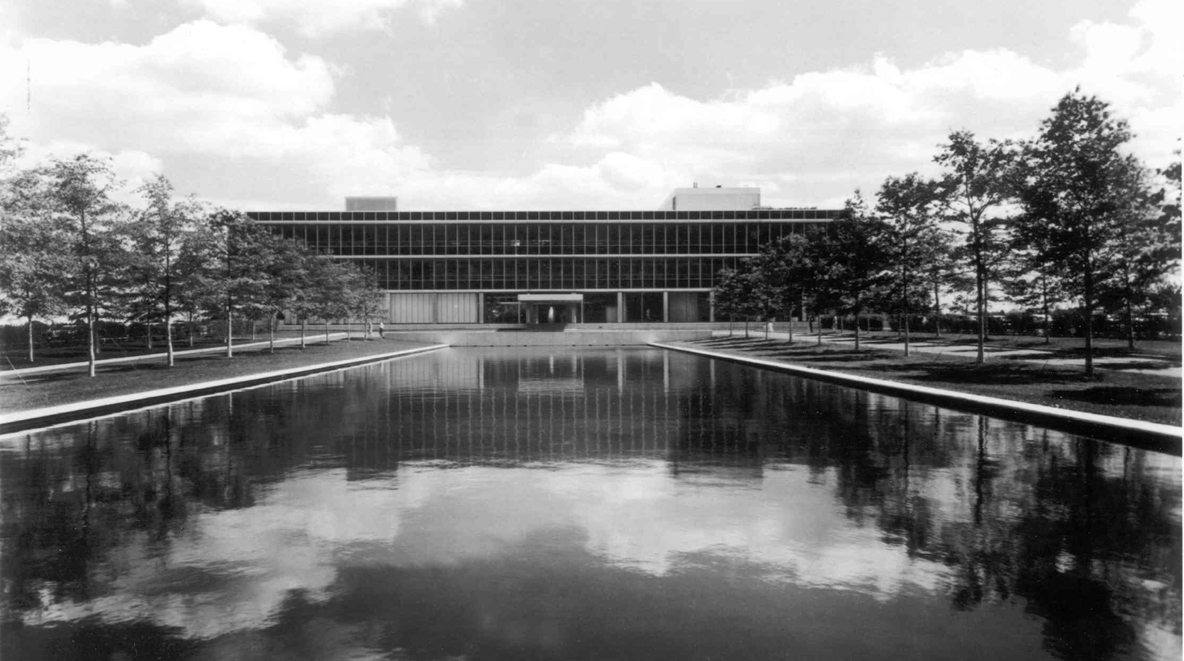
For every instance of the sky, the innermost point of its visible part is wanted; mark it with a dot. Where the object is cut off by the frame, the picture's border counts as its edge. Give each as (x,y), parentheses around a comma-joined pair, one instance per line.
(584,104)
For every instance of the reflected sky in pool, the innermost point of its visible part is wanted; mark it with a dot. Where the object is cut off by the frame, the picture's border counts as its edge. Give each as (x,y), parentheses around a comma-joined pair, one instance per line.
(604,504)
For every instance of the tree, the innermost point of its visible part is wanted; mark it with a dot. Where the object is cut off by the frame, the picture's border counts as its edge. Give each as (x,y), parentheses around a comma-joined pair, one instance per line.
(1031,279)
(974,188)
(10,147)
(239,287)
(365,297)
(200,270)
(726,295)
(287,264)
(778,263)
(31,266)
(794,269)
(1169,205)
(941,273)
(1077,182)
(157,236)
(746,292)
(762,295)
(329,291)
(79,191)
(1144,252)
(910,207)
(856,260)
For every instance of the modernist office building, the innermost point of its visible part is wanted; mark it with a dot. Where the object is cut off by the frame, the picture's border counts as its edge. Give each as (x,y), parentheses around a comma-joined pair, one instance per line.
(540,266)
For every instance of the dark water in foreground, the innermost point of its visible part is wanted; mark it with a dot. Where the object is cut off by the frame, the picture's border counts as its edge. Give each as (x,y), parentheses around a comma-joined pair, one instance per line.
(600,505)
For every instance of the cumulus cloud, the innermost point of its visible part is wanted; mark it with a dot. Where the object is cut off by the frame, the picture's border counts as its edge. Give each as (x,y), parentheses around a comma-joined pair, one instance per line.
(319,17)
(173,91)
(263,117)
(229,93)
(860,124)
(305,529)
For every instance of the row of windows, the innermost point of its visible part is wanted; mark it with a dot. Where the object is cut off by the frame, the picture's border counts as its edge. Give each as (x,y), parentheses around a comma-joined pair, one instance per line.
(544,273)
(446,216)
(539,238)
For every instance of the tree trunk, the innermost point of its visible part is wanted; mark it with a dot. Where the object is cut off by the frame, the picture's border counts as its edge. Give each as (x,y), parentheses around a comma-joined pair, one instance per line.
(168,335)
(1130,313)
(1089,318)
(149,324)
(981,304)
(906,313)
(90,341)
(229,334)
(303,328)
(30,327)
(90,299)
(746,328)
(326,332)
(936,309)
(1047,317)
(857,331)
(980,296)
(271,335)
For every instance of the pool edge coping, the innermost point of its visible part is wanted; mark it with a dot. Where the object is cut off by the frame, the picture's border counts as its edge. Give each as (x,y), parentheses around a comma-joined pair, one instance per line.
(19,421)
(1138,433)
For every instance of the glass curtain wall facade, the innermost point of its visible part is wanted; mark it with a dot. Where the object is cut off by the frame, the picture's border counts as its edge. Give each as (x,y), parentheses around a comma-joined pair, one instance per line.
(589,252)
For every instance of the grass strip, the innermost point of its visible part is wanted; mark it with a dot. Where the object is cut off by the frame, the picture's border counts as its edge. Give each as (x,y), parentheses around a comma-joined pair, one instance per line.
(35,391)
(1134,396)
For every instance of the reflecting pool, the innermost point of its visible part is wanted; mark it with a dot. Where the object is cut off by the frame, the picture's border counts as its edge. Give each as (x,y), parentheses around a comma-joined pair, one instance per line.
(604,504)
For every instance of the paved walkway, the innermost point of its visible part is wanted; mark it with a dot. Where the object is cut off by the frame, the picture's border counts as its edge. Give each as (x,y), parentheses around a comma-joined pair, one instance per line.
(1137,364)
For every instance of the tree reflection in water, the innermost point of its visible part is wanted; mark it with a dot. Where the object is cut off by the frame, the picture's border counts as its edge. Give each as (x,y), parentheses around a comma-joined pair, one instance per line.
(277,522)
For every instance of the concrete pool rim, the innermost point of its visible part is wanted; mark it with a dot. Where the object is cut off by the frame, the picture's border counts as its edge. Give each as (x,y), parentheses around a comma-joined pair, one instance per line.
(55,415)
(1126,431)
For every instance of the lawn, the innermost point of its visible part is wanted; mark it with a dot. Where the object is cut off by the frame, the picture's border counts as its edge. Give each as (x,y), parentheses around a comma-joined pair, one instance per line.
(1137,396)
(17,357)
(55,388)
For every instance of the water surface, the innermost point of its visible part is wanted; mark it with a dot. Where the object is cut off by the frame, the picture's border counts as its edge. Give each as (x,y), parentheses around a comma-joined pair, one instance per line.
(606,504)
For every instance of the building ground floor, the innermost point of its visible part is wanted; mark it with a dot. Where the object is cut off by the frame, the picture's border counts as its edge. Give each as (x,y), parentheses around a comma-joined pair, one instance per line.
(548,307)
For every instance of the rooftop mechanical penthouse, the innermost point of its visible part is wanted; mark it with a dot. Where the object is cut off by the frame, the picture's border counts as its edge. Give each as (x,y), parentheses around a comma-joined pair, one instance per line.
(549,266)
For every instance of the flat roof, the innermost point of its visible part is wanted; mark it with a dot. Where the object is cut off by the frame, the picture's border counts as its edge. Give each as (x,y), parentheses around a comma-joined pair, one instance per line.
(544,216)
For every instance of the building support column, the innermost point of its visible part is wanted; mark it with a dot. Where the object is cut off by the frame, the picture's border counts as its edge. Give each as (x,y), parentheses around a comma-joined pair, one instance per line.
(666,306)
(620,307)
(480,307)
(711,306)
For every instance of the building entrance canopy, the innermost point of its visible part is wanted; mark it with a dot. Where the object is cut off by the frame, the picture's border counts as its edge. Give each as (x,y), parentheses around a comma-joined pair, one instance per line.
(551,299)
(552,308)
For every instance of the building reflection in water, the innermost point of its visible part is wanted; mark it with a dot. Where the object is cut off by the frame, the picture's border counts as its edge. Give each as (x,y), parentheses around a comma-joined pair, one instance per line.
(606,503)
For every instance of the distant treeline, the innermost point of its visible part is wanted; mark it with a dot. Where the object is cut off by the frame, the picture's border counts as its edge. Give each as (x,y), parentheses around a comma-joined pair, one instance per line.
(1063,227)
(69,249)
